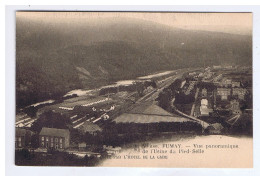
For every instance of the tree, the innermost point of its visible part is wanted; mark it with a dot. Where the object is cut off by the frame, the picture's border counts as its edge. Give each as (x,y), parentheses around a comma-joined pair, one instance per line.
(164,99)
(76,136)
(35,141)
(52,120)
(109,135)
(153,84)
(91,139)
(140,89)
(248,100)
(31,111)
(181,98)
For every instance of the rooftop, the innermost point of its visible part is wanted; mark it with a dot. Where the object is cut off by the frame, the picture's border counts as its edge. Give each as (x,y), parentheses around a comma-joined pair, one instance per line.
(143,118)
(20,132)
(149,109)
(54,132)
(149,113)
(89,127)
(204,102)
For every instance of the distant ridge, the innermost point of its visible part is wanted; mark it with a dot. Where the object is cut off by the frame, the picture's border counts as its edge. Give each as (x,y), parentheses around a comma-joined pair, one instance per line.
(48,54)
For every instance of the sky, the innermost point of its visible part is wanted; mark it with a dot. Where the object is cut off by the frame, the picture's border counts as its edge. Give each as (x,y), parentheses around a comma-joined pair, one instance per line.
(237,23)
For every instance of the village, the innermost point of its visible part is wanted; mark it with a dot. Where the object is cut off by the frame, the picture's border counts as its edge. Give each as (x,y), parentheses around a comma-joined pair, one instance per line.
(90,126)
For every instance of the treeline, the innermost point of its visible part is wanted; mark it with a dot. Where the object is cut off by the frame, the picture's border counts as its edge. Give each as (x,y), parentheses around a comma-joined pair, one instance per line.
(32,110)
(165,96)
(119,134)
(50,119)
(55,158)
(133,132)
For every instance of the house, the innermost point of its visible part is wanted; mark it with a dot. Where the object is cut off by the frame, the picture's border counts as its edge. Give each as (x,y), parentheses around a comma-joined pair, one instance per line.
(112,150)
(235,108)
(54,138)
(216,66)
(204,110)
(228,81)
(235,84)
(204,102)
(225,82)
(89,127)
(217,78)
(208,75)
(204,92)
(192,74)
(228,67)
(191,86)
(200,75)
(82,146)
(207,69)
(22,137)
(240,92)
(41,150)
(223,93)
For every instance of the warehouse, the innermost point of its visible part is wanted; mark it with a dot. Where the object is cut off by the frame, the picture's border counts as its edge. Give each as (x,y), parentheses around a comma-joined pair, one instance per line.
(150,118)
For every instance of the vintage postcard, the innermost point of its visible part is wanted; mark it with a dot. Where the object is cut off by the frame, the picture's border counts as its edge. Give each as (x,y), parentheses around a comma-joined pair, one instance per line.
(134,89)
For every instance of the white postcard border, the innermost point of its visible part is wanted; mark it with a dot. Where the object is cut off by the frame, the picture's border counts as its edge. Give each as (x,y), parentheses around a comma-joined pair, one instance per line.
(11,169)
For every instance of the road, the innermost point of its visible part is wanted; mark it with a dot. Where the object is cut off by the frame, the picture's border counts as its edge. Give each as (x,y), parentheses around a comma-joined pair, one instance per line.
(193,106)
(201,122)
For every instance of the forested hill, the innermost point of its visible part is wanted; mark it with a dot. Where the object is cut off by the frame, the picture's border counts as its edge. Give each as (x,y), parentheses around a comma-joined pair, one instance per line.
(53,58)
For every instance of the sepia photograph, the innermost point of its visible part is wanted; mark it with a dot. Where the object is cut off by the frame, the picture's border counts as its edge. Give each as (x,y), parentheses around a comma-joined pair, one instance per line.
(134,89)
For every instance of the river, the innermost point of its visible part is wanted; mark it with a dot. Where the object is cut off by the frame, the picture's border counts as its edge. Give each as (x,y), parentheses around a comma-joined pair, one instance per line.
(82,92)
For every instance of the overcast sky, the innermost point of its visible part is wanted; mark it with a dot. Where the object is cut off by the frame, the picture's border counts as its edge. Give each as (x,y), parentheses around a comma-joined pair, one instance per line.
(237,23)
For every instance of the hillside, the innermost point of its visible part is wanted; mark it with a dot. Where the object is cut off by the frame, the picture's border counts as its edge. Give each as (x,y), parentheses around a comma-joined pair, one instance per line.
(55,58)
